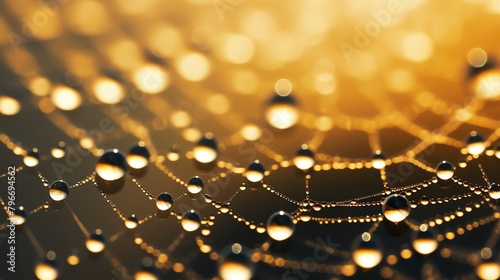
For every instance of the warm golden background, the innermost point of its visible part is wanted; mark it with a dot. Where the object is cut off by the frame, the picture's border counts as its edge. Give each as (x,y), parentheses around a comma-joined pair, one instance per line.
(411,79)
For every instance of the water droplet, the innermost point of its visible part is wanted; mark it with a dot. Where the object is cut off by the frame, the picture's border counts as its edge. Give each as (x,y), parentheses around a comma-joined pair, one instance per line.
(468,207)
(147,272)
(255,172)
(236,263)
(191,221)
(260,228)
(195,185)
(396,208)
(131,222)
(173,154)
(59,151)
(46,269)
(251,132)
(18,217)
(488,270)
(111,165)
(304,158)
(425,242)
(164,201)
(445,170)
(424,200)
(138,156)
(32,158)
(224,208)
(206,149)
(305,216)
(367,254)
(280,226)
(59,190)
(281,111)
(475,143)
(378,160)
(96,242)
(494,191)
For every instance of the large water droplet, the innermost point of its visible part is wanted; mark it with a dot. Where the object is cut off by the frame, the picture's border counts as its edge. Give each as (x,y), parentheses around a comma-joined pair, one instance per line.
(445,170)
(255,172)
(396,208)
(195,185)
(425,242)
(280,226)
(475,143)
(164,201)
(191,220)
(206,149)
(96,242)
(494,191)
(281,111)
(304,158)
(46,269)
(378,160)
(59,190)
(367,252)
(236,264)
(111,165)
(32,158)
(138,156)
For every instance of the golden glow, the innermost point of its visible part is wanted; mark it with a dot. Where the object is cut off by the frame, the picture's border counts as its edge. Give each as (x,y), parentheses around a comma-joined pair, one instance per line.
(193,67)
(79,22)
(204,154)
(66,98)
(40,86)
(477,57)
(487,85)
(238,49)
(144,275)
(367,258)
(348,269)
(234,271)
(250,132)
(73,260)
(30,161)
(180,118)
(9,106)
(151,79)
(283,87)
(406,254)
(108,91)
(137,161)
(218,104)
(303,162)
(109,172)
(417,47)
(254,175)
(46,271)
(425,246)
(488,270)
(94,245)
(245,81)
